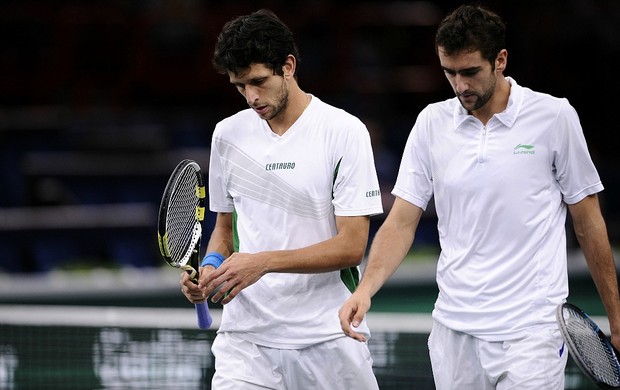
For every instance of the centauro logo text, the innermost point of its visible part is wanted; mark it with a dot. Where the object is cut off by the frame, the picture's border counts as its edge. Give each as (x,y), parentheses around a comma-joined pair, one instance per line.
(279,165)
(524,149)
(370,194)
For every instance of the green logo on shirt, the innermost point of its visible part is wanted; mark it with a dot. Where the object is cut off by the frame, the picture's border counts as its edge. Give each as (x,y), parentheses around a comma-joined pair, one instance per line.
(524,149)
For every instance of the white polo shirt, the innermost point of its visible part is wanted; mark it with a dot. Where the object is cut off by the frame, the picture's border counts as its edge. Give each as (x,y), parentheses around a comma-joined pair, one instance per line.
(500,192)
(285,192)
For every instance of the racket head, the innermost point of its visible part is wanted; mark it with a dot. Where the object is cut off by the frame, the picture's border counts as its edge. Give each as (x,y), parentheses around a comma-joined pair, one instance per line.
(589,347)
(181,213)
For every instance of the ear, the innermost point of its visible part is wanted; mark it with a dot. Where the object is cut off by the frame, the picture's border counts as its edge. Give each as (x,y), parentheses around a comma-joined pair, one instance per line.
(289,66)
(501,61)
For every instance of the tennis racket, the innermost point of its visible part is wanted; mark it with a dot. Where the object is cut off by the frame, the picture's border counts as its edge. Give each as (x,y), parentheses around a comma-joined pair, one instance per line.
(179,232)
(589,347)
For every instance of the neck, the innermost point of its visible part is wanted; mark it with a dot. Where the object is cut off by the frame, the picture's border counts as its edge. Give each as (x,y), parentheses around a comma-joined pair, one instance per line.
(498,102)
(297,103)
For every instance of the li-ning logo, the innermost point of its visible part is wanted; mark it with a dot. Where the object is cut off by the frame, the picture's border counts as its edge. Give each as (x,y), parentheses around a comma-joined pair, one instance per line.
(524,149)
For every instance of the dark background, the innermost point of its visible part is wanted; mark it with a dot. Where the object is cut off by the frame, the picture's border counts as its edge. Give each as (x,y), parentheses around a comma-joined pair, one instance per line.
(100,99)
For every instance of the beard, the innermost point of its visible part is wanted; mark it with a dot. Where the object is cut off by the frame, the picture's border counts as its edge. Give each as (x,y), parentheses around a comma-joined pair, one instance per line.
(481,99)
(281,103)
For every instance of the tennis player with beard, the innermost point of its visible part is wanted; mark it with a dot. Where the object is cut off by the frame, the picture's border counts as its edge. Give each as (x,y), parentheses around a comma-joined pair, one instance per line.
(504,164)
(293,182)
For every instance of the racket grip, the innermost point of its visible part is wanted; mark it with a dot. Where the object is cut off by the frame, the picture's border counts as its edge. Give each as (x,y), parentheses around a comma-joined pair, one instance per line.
(204,317)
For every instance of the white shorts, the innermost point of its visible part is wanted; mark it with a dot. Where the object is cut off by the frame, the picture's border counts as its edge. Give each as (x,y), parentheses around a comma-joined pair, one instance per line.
(339,364)
(533,362)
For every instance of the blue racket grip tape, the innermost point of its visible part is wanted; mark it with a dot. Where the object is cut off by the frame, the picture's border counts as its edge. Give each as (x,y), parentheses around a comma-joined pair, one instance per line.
(204,317)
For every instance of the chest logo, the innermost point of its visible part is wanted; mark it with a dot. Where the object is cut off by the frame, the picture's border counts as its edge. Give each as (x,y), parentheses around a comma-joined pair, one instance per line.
(279,166)
(524,149)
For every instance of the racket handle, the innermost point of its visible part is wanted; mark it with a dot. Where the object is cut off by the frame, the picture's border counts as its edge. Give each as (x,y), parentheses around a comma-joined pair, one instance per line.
(204,317)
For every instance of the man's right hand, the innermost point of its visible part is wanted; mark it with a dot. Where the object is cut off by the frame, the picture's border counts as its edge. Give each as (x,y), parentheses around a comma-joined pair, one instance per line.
(352,314)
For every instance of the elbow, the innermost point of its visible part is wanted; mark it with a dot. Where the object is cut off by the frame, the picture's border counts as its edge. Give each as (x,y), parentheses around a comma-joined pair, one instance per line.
(355,255)
(351,241)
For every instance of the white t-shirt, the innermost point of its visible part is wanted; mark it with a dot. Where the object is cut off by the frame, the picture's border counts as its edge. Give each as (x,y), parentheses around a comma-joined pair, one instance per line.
(500,194)
(285,192)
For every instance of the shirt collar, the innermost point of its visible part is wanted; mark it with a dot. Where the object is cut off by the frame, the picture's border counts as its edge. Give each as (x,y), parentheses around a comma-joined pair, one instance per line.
(506,117)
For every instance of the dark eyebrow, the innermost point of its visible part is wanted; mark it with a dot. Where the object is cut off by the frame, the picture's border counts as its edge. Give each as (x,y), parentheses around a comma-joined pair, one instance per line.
(253,80)
(465,71)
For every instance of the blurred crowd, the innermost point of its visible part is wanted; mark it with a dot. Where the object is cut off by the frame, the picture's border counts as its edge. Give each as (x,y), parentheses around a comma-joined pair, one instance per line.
(100,99)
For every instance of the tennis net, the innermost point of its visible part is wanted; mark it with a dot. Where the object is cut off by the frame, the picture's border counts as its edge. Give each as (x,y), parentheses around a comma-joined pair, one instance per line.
(76,347)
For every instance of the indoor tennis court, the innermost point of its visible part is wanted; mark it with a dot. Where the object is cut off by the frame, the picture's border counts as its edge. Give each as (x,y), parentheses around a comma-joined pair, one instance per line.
(70,332)
(100,99)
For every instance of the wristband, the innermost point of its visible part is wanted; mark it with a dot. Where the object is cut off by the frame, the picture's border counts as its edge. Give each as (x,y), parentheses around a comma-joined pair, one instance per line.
(212,258)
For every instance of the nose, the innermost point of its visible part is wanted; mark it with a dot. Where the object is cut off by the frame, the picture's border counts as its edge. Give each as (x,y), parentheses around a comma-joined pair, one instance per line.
(251,94)
(461,84)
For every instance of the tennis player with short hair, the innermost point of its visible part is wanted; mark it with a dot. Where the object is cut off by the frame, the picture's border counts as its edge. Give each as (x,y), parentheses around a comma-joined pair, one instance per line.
(504,163)
(293,182)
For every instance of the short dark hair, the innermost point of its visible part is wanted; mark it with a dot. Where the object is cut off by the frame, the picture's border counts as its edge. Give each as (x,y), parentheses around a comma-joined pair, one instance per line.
(258,38)
(471,28)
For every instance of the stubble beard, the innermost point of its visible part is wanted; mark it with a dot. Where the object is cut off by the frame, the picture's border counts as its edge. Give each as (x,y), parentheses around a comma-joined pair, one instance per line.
(282,103)
(480,101)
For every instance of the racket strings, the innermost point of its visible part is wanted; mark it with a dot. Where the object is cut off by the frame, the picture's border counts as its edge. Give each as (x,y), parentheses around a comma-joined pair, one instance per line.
(595,353)
(182,227)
